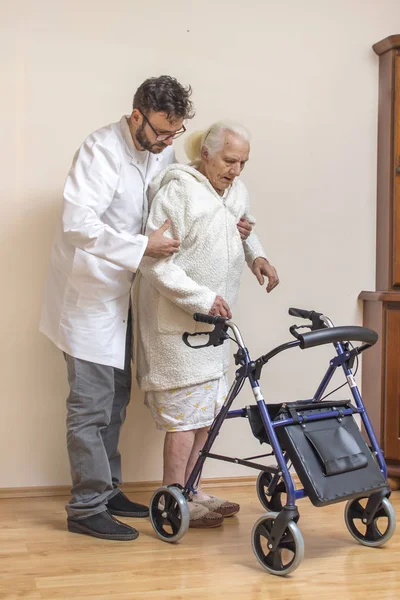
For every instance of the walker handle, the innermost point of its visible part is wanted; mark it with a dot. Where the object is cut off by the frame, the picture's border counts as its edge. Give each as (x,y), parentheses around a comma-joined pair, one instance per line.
(300,312)
(202,318)
(313,316)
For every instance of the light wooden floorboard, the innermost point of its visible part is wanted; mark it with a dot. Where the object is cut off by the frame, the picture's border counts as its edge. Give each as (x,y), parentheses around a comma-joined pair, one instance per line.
(39,559)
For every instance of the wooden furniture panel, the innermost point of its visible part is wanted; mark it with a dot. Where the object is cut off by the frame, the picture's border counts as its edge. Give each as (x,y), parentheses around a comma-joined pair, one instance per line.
(372,360)
(391,444)
(384,188)
(396,172)
(381,364)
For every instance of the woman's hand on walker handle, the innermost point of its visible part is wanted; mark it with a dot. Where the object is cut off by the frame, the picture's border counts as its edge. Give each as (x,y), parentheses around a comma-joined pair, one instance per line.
(220,308)
(262,267)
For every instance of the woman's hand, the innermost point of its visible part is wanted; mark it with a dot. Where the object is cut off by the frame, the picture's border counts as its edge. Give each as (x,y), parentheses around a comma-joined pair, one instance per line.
(244,228)
(262,267)
(220,308)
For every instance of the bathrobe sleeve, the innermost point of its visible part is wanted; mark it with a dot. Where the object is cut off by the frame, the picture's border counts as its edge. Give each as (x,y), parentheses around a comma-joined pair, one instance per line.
(252,246)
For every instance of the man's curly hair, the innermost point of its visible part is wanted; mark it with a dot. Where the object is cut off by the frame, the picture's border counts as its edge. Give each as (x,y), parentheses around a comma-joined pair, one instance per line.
(164,94)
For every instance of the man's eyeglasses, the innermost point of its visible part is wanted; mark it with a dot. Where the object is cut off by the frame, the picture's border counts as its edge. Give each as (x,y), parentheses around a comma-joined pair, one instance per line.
(163,137)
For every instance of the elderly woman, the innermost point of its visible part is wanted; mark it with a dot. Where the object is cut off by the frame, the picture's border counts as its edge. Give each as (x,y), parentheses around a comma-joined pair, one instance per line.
(185,388)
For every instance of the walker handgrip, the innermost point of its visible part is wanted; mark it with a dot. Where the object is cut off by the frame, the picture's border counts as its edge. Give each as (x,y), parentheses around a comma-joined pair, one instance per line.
(333,335)
(300,312)
(212,320)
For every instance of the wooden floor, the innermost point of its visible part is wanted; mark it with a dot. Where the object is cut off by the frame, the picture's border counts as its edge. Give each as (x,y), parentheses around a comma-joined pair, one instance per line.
(39,559)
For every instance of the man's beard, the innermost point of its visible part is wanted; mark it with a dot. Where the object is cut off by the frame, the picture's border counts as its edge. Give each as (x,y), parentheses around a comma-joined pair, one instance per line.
(143,140)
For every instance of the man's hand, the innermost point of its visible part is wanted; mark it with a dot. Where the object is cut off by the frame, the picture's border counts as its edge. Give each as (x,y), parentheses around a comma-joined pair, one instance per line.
(220,308)
(160,246)
(244,228)
(262,267)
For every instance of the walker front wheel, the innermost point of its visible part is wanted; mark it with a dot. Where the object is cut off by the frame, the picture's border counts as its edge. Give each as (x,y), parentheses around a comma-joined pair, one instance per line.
(169,513)
(379,531)
(289,553)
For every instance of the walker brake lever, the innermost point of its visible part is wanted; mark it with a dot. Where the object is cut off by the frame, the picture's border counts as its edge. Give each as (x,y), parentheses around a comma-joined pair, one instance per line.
(216,337)
(293,330)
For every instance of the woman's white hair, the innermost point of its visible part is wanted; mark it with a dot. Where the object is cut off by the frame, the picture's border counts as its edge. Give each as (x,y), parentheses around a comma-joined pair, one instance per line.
(212,139)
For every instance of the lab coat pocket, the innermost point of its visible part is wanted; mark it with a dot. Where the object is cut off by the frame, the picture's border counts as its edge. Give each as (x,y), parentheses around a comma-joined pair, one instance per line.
(98,282)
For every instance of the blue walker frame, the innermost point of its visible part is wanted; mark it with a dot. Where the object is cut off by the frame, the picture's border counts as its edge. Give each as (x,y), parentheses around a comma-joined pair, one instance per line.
(246,371)
(168,507)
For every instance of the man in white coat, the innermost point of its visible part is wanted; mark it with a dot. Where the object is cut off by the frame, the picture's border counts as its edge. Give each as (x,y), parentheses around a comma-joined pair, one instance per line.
(86,313)
(97,250)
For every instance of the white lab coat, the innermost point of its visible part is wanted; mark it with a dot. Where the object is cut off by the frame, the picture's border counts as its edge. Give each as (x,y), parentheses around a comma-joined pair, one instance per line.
(99,245)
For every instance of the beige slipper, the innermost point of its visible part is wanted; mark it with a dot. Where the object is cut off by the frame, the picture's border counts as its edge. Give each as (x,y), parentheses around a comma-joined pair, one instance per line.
(220,506)
(202,518)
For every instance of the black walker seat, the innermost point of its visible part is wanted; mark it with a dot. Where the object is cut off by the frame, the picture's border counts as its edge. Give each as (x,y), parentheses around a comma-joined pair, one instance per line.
(330,456)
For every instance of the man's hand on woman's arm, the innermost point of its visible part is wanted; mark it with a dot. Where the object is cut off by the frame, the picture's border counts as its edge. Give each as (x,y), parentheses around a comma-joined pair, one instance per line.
(160,246)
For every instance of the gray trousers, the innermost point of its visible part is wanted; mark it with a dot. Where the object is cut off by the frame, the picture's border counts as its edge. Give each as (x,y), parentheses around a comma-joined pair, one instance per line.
(96,409)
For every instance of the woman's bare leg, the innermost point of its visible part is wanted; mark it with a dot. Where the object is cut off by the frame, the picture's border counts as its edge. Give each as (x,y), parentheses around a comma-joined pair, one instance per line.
(178,446)
(181,449)
(199,441)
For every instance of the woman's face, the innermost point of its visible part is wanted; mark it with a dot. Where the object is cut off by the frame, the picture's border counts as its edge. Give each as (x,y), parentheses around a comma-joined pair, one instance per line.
(222,167)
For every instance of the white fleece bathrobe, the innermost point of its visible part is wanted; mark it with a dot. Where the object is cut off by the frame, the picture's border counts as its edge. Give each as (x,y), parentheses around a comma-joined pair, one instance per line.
(209,263)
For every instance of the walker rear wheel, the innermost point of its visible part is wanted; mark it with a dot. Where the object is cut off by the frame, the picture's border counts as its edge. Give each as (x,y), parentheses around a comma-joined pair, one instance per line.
(275,501)
(376,533)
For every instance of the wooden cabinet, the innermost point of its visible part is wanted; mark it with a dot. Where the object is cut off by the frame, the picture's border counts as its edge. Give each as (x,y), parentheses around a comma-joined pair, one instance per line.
(391,425)
(381,373)
(381,364)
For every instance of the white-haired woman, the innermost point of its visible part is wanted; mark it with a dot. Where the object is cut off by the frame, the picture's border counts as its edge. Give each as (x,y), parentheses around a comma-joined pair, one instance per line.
(185,388)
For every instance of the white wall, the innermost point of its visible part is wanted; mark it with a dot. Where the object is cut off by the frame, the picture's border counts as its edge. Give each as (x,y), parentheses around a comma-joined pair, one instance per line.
(301,75)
